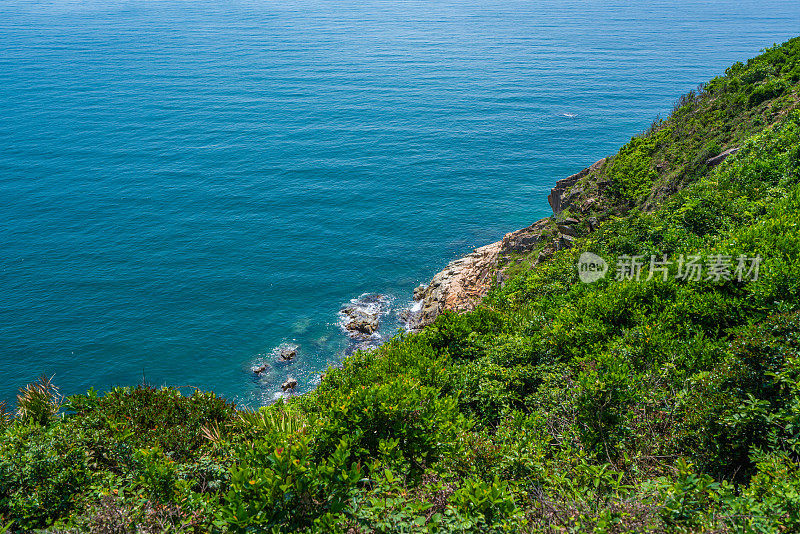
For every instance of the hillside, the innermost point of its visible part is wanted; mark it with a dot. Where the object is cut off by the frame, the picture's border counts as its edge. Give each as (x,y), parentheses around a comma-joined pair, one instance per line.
(662,397)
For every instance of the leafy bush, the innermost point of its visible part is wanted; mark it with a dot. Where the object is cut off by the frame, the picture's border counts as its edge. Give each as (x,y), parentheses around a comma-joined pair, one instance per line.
(42,473)
(425,425)
(143,417)
(287,487)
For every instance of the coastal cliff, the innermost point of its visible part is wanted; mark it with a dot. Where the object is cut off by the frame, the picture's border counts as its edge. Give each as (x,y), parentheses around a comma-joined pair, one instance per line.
(462,284)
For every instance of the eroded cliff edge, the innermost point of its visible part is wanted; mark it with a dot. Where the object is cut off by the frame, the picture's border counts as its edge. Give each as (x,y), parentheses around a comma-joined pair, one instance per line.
(463,282)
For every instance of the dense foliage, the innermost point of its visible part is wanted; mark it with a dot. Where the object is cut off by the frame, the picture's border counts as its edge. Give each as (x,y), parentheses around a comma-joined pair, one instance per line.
(653,405)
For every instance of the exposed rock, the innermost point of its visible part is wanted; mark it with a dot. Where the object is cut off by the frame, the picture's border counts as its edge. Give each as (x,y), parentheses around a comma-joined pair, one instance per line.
(557,198)
(501,278)
(463,282)
(569,197)
(361,318)
(525,239)
(289,385)
(287,354)
(543,255)
(565,241)
(260,368)
(459,286)
(556,194)
(367,327)
(419,292)
(567,229)
(405,315)
(716,160)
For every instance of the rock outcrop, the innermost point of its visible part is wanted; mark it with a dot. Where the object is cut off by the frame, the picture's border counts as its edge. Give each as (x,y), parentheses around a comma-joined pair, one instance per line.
(719,158)
(360,319)
(462,284)
(287,354)
(562,195)
(525,239)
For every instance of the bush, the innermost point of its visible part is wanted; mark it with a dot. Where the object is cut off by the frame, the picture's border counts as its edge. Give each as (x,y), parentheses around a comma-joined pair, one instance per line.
(43,472)
(144,416)
(425,425)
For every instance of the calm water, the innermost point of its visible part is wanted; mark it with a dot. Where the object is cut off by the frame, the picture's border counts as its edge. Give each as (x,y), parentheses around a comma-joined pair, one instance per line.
(186,185)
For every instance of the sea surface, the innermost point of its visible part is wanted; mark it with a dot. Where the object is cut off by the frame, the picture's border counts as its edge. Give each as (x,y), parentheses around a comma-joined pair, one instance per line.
(187,185)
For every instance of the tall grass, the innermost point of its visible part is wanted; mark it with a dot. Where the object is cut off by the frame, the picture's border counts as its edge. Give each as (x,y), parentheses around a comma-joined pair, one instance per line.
(39,401)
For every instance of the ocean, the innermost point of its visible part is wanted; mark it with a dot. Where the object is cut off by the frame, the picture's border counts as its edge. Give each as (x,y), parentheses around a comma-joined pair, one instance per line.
(186,186)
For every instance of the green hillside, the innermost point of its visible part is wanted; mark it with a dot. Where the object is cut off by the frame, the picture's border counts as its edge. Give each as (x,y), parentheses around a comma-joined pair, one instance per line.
(667,403)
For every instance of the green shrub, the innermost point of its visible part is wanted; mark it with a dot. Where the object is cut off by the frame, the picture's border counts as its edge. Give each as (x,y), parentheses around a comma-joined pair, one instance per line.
(43,472)
(425,425)
(286,487)
(143,417)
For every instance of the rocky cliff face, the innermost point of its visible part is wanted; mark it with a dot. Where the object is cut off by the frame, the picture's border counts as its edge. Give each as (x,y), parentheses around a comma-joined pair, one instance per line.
(463,283)
(459,287)
(565,193)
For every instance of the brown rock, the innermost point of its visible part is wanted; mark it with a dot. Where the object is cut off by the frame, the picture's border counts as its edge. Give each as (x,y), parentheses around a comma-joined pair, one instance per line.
(288,354)
(564,242)
(362,326)
(525,239)
(460,285)
(557,199)
(419,292)
(716,160)
(567,229)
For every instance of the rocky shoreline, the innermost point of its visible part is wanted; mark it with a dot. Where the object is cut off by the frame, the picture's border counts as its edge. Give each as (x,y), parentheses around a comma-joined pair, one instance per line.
(579,202)
(462,284)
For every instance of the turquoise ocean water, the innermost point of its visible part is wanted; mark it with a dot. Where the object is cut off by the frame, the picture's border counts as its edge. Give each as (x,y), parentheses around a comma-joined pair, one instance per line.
(185,185)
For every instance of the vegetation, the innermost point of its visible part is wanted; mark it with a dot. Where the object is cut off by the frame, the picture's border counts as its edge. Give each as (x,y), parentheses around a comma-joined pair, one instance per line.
(653,405)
